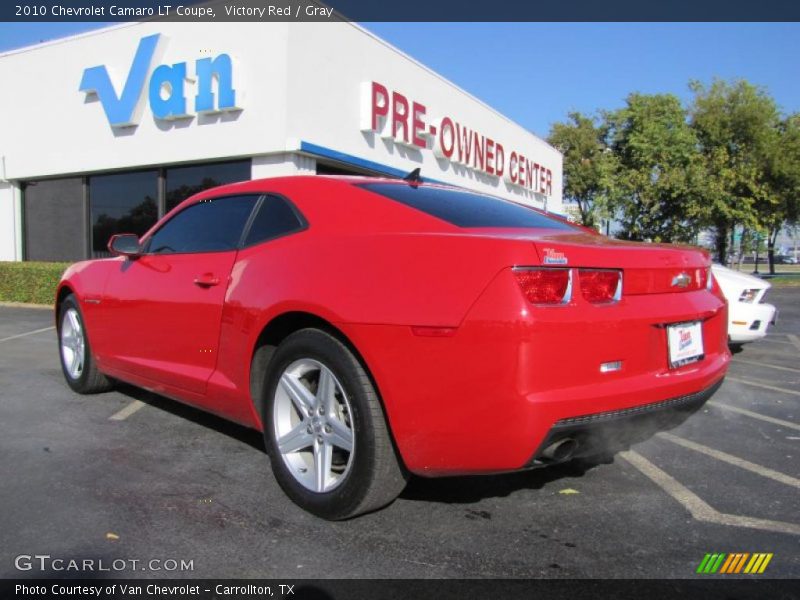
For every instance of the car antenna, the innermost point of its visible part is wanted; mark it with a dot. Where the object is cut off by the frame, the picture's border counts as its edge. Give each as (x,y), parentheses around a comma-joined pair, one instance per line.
(414,177)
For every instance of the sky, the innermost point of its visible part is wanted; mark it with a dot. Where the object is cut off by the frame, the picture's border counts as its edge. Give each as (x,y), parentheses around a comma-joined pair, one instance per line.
(536,73)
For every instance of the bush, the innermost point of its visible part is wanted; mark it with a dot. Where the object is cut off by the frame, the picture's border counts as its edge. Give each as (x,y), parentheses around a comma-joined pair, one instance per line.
(30,282)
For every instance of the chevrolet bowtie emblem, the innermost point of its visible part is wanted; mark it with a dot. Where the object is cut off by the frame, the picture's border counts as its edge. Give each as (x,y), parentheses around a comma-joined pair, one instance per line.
(682,280)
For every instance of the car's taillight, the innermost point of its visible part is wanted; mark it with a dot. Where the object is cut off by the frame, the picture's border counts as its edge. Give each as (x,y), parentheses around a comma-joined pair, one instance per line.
(600,286)
(709,279)
(545,285)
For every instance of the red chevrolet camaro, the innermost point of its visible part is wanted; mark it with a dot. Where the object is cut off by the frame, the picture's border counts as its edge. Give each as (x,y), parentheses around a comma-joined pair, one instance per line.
(374,329)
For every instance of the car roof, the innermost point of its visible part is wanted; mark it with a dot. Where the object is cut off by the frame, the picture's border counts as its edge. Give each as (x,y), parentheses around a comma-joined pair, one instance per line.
(266,184)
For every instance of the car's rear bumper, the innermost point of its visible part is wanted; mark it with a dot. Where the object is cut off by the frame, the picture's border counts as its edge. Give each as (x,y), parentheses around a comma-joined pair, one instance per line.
(611,431)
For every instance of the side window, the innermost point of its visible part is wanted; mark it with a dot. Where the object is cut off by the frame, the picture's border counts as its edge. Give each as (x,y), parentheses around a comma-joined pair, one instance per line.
(275,218)
(213,225)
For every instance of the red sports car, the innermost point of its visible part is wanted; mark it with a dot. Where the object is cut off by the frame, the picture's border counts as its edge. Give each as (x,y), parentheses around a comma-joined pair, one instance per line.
(374,329)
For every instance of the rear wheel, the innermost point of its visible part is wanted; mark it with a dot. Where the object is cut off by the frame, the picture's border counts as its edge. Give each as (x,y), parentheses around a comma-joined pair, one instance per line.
(75,352)
(325,429)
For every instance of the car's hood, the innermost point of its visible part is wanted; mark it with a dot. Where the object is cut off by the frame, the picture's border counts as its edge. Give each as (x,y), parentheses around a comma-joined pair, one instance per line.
(736,278)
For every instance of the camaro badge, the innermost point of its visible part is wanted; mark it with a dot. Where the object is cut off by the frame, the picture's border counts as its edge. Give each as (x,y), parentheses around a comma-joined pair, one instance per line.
(682,280)
(553,257)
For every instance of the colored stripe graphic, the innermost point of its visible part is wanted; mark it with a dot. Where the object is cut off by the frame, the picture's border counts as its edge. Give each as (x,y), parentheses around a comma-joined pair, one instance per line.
(734,563)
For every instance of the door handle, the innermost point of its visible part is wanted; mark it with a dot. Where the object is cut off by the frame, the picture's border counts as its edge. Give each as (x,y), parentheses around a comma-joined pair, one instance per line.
(206,280)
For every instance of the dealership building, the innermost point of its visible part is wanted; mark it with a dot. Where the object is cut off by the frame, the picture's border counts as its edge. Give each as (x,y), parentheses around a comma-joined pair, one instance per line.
(107,131)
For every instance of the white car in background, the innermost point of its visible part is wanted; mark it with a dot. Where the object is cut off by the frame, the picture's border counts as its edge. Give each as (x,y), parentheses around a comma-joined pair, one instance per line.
(748,314)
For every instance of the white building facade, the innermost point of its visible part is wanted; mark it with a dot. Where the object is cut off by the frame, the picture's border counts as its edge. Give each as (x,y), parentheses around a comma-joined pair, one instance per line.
(105,132)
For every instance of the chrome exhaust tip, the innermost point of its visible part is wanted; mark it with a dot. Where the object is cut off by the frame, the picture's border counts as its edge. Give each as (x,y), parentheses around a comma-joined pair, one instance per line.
(560,451)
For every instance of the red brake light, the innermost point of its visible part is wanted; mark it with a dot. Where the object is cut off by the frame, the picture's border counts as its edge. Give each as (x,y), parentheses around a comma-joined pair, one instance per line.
(544,286)
(599,286)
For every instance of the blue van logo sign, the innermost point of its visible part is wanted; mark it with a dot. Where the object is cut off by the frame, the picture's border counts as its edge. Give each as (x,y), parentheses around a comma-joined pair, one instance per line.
(166,88)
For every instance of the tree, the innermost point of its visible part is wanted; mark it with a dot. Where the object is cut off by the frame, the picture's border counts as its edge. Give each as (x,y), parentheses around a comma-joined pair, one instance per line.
(783,180)
(587,165)
(657,170)
(735,124)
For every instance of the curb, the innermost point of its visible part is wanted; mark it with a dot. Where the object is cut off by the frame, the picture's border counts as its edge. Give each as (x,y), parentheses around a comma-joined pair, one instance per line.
(26,305)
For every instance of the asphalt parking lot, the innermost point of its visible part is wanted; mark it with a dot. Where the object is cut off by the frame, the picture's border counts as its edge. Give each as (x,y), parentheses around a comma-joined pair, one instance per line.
(130,475)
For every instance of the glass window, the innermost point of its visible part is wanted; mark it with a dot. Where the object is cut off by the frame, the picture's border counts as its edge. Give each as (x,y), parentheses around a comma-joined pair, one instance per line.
(210,226)
(182,182)
(55,222)
(465,209)
(276,217)
(122,203)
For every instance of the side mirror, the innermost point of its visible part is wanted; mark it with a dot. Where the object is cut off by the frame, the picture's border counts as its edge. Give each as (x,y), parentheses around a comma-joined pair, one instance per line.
(124,244)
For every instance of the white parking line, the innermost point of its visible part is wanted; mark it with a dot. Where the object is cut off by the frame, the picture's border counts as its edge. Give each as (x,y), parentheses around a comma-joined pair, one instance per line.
(697,507)
(794,339)
(769,366)
(774,341)
(763,385)
(21,335)
(127,411)
(731,459)
(755,415)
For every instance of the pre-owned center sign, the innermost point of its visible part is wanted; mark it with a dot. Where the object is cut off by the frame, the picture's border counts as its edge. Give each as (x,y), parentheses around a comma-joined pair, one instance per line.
(392,115)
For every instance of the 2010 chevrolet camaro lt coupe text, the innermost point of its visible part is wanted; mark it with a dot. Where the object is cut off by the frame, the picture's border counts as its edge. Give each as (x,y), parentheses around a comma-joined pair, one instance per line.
(374,329)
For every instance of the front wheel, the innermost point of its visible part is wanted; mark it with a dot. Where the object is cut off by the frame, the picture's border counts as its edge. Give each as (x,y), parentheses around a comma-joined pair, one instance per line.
(325,430)
(75,352)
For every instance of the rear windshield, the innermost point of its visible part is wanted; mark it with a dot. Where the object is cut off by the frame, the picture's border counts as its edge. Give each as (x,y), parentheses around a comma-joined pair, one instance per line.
(465,209)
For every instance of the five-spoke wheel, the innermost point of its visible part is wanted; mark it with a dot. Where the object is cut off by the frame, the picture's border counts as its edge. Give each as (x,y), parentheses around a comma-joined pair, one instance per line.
(313,427)
(325,429)
(73,345)
(75,351)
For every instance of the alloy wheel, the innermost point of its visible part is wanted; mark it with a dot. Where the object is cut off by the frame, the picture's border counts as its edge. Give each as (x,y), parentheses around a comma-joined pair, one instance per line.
(313,425)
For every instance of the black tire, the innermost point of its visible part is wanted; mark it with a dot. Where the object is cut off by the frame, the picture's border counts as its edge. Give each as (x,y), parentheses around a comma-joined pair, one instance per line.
(375,477)
(90,380)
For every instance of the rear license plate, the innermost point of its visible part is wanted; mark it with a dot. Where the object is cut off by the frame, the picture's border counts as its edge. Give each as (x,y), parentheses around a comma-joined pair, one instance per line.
(685,343)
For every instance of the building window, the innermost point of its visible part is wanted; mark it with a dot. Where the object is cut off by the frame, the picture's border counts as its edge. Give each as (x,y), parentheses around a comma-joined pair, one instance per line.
(54,218)
(122,203)
(182,182)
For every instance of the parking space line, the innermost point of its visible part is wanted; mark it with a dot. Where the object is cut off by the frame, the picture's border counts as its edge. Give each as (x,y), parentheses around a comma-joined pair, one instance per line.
(763,385)
(774,341)
(755,415)
(127,411)
(794,339)
(697,507)
(732,460)
(760,364)
(21,335)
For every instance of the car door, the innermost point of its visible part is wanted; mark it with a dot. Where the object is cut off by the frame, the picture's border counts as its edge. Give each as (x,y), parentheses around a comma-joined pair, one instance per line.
(163,308)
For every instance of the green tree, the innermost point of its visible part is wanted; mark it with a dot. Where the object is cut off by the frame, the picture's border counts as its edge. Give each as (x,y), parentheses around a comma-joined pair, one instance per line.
(658,169)
(735,124)
(587,165)
(783,181)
